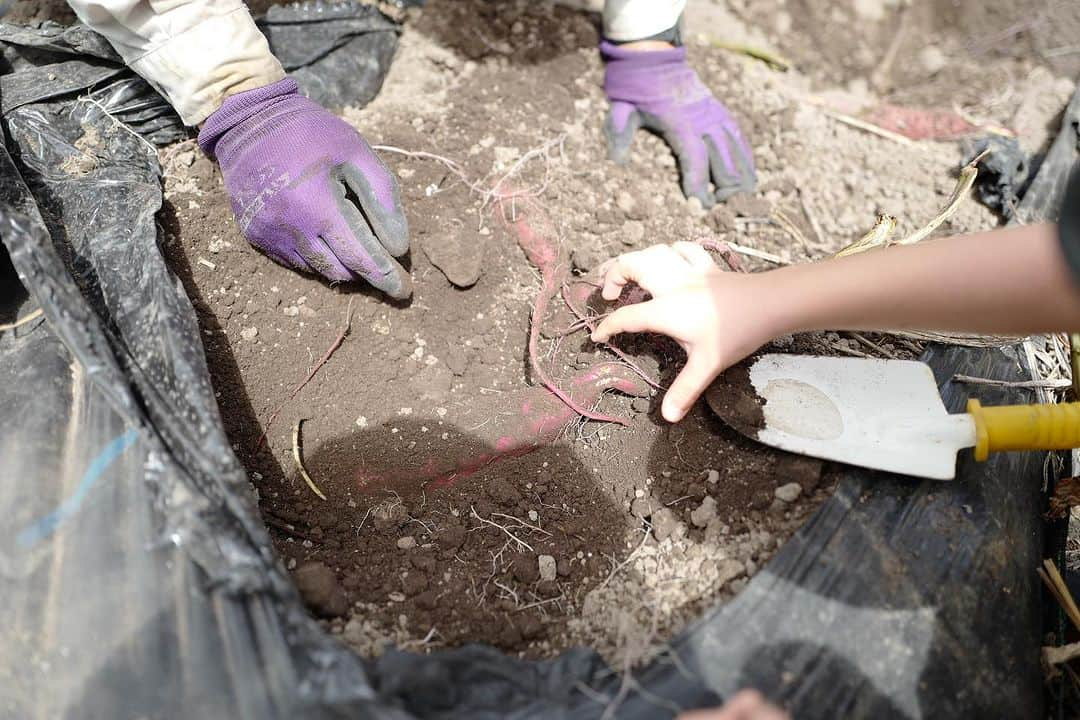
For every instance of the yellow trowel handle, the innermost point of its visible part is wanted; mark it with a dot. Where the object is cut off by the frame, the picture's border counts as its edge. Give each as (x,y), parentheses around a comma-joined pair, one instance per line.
(1024,427)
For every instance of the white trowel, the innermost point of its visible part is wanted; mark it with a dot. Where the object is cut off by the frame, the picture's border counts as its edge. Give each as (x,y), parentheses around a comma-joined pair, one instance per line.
(882,414)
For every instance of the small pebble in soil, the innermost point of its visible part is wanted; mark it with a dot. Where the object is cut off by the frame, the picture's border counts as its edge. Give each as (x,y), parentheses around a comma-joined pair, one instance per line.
(711,476)
(548,568)
(633,232)
(249,333)
(319,588)
(789,493)
(406,543)
(704,513)
(641,507)
(666,523)
(396,597)
(629,206)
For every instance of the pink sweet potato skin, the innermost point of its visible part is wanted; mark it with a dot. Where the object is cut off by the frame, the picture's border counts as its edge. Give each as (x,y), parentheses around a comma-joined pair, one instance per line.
(527,420)
(535,417)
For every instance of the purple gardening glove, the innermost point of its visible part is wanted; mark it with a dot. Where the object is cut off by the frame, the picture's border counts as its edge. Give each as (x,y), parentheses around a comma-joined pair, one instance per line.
(658,90)
(307,190)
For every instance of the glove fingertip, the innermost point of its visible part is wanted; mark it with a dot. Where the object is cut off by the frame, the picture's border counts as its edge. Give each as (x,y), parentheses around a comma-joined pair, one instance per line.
(387,222)
(695,189)
(395,282)
(619,129)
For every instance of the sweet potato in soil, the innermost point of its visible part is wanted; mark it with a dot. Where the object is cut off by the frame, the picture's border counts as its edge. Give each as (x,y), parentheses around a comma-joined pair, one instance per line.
(448,467)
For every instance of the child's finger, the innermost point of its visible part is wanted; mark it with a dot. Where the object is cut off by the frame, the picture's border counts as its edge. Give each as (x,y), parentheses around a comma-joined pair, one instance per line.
(743,700)
(694,254)
(752,705)
(632,318)
(648,268)
(701,369)
(616,277)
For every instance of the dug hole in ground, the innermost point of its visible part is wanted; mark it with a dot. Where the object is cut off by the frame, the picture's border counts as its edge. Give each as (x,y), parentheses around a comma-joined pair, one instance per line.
(434,531)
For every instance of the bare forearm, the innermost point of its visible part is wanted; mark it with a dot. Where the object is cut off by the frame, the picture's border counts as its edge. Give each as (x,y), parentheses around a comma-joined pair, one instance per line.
(1012,281)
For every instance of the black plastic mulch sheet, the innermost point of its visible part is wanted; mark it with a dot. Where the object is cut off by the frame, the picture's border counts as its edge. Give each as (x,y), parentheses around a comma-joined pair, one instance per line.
(339,52)
(138,582)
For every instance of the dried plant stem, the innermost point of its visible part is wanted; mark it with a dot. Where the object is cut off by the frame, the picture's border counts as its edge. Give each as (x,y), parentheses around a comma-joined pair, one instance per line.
(759,254)
(299,460)
(869,127)
(22,321)
(1056,584)
(963,186)
(877,236)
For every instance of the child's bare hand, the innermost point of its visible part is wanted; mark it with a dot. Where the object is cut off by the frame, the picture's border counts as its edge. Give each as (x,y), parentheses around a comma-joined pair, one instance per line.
(710,313)
(746,705)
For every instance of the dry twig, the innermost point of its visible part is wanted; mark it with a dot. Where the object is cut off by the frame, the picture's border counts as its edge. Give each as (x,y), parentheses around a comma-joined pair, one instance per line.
(298,458)
(759,254)
(1056,584)
(877,236)
(869,127)
(22,321)
(963,186)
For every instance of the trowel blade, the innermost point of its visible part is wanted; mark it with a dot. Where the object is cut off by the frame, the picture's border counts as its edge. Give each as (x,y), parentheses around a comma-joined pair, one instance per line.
(881,414)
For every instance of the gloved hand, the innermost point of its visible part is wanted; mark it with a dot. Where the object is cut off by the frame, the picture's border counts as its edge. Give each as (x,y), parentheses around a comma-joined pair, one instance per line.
(307,190)
(658,90)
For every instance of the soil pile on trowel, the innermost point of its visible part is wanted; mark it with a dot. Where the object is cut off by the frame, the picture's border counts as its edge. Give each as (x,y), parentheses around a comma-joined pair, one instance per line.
(465,501)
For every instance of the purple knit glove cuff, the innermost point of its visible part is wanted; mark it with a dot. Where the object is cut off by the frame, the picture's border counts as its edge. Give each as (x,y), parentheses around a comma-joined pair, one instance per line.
(238,108)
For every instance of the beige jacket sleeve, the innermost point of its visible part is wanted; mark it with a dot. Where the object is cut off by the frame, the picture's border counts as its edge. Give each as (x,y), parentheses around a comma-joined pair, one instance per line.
(626,20)
(195,52)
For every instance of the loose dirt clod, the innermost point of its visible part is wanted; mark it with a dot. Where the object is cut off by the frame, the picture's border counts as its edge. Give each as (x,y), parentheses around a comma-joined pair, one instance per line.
(320,590)
(789,493)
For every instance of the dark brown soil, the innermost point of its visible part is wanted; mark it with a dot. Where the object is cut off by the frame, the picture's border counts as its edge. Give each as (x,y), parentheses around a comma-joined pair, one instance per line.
(650,518)
(733,398)
(429,379)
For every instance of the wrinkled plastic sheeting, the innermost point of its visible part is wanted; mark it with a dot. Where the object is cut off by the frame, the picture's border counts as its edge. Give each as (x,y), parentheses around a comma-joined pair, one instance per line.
(1042,201)
(139,582)
(339,52)
(1028,189)
(900,598)
(56,62)
(137,579)
(1004,173)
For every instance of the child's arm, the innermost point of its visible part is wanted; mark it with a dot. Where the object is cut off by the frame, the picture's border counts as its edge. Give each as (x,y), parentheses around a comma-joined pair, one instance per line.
(1013,281)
